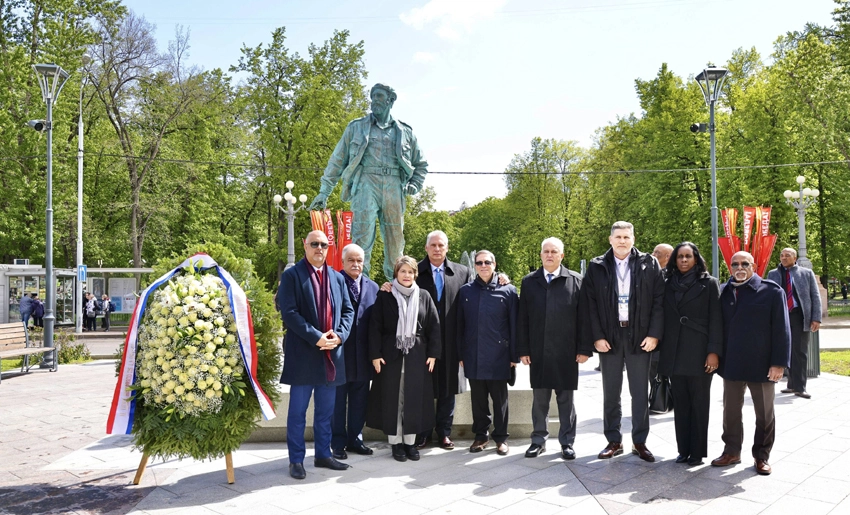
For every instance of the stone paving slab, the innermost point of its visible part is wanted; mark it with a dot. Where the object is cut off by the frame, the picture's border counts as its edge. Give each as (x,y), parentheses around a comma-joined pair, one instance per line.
(55,458)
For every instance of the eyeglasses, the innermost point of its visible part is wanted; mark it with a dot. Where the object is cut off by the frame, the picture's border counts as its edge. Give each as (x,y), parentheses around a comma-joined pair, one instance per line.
(317,244)
(482,263)
(741,265)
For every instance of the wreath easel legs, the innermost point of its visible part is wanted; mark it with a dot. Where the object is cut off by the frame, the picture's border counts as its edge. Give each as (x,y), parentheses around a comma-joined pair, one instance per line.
(228,460)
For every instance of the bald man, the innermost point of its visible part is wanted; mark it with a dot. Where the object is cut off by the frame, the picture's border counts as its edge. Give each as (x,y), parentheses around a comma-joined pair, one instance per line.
(662,253)
(756,350)
(317,315)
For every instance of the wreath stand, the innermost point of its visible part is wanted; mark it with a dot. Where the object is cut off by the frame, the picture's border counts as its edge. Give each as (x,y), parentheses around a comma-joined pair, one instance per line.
(228,460)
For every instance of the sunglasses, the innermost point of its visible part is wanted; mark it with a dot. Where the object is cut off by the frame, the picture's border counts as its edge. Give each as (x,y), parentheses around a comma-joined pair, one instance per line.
(741,265)
(482,263)
(317,244)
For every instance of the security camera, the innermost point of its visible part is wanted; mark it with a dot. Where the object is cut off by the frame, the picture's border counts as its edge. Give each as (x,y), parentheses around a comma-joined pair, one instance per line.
(698,127)
(38,125)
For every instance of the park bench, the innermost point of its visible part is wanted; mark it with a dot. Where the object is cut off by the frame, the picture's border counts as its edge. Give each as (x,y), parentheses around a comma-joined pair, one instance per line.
(15,342)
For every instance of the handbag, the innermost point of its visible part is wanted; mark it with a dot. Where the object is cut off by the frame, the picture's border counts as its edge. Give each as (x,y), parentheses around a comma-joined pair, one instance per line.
(660,395)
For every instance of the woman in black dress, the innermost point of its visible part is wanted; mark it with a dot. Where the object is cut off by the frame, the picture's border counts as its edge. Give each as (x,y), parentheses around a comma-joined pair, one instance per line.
(691,346)
(404,344)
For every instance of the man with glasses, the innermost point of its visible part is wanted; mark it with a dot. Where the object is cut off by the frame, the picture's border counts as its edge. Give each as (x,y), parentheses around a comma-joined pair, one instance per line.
(317,315)
(802,298)
(756,350)
(486,345)
(622,296)
(548,341)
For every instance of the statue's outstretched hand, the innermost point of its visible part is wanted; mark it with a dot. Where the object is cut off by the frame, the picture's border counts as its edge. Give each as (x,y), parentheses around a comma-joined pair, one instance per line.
(410,189)
(319,202)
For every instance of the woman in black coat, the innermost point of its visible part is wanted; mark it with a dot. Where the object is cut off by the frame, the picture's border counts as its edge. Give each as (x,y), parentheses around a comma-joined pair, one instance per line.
(404,344)
(690,349)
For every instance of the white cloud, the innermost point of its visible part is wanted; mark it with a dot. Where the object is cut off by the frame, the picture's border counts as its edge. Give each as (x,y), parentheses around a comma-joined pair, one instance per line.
(424,57)
(453,18)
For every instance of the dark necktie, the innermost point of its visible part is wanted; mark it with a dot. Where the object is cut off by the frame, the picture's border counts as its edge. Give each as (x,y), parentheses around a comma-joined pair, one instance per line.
(549,277)
(355,290)
(789,296)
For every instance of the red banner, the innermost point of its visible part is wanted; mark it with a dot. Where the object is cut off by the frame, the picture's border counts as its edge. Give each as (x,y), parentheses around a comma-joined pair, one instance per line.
(749,219)
(343,228)
(757,238)
(323,221)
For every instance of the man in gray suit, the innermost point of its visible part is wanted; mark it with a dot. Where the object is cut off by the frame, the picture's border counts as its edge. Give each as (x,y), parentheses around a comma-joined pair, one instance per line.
(802,298)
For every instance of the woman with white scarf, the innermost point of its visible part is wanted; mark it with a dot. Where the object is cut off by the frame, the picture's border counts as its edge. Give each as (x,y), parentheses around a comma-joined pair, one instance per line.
(404,344)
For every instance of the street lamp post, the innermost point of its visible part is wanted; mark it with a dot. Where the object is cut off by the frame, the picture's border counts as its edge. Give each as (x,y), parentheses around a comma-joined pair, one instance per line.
(51,79)
(801,199)
(711,81)
(290,211)
(78,324)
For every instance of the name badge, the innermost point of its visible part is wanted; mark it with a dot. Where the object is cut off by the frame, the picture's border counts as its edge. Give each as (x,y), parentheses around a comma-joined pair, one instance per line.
(623,307)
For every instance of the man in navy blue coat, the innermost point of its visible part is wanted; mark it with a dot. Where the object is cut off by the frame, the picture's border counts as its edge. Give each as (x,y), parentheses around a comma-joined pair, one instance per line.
(756,350)
(486,346)
(317,315)
(354,393)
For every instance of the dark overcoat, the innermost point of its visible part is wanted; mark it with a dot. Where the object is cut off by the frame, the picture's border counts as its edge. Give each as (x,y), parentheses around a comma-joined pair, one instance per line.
(486,329)
(303,363)
(358,365)
(756,334)
(549,327)
(382,411)
(693,328)
(646,299)
(446,372)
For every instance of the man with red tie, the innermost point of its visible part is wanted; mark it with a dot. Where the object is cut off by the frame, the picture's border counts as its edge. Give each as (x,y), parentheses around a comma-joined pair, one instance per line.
(802,298)
(317,315)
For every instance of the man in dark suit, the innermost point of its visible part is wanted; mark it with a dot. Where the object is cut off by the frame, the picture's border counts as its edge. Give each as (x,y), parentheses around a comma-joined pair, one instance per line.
(623,295)
(317,315)
(443,279)
(354,393)
(802,297)
(756,350)
(548,340)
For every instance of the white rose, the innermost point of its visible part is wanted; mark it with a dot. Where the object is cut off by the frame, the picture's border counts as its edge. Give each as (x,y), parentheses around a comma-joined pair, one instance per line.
(227,370)
(192,372)
(184,321)
(209,356)
(170,399)
(164,311)
(214,370)
(216,386)
(179,390)
(209,394)
(213,303)
(217,341)
(204,367)
(230,339)
(221,332)
(220,362)
(202,385)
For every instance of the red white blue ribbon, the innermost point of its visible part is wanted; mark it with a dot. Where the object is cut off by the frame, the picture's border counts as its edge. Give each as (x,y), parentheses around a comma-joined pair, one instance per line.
(121,413)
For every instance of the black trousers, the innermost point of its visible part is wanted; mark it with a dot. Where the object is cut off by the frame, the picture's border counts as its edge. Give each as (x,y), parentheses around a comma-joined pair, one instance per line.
(637,369)
(799,351)
(692,399)
(481,391)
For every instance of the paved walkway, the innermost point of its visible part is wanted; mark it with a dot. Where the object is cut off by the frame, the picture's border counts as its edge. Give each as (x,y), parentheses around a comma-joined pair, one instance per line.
(55,458)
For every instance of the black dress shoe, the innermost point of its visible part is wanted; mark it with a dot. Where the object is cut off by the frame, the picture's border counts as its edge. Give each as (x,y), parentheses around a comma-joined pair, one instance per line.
(682,459)
(411,452)
(360,449)
(693,462)
(329,463)
(340,455)
(567,452)
(535,450)
(804,394)
(296,470)
(447,443)
(611,450)
(422,442)
(398,452)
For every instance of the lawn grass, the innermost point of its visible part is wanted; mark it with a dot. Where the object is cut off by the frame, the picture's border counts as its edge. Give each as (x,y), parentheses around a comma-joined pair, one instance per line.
(835,362)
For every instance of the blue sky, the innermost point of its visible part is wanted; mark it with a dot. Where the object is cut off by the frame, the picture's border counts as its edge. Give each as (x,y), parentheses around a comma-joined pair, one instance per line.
(477,80)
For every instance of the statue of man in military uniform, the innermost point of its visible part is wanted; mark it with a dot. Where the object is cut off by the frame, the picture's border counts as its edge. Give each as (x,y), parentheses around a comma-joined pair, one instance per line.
(379,162)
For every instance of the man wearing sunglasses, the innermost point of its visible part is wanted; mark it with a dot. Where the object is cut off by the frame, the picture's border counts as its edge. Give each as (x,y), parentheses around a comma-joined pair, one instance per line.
(756,350)
(486,346)
(317,315)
